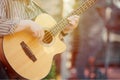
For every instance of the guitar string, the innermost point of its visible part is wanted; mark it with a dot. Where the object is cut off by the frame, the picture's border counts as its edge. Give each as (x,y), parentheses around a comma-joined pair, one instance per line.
(83,7)
(35,39)
(54,31)
(59,48)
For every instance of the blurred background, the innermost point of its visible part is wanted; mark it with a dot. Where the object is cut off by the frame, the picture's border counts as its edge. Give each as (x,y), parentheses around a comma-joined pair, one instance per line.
(93,49)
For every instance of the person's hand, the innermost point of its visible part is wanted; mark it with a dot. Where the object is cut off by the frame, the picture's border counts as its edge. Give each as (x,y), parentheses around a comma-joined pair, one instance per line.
(34,27)
(73,23)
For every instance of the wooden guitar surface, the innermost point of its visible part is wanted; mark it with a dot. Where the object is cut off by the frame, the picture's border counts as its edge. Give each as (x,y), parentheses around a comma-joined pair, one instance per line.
(42,53)
(31,58)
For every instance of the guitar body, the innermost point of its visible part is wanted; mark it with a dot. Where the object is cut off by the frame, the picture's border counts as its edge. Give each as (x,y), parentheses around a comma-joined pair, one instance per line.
(30,58)
(43,52)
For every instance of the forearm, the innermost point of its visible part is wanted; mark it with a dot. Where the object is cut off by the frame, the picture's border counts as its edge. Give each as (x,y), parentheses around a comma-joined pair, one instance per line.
(7,26)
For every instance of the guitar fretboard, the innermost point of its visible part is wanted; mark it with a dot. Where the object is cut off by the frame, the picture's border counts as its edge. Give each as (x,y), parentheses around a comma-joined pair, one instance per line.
(62,24)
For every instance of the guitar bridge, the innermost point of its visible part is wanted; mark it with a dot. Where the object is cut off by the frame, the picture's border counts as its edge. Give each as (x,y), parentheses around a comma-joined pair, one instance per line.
(27,51)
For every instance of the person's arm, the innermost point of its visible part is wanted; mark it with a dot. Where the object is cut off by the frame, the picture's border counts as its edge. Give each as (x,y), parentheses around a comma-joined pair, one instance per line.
(7,26)
(11,26)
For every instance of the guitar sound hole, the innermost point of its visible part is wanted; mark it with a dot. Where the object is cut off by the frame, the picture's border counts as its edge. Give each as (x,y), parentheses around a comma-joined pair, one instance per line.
(47,37)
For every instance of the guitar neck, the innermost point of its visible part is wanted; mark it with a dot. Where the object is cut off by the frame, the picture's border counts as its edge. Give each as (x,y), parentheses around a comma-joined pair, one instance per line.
(62,24)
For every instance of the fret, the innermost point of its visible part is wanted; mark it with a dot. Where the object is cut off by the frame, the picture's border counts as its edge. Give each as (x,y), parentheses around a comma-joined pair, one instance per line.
(82,9)
(56,28)
(63,23)
(53,30)
(86,6)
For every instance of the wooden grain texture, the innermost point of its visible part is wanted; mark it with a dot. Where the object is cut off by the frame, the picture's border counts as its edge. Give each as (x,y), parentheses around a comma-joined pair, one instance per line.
(44,53)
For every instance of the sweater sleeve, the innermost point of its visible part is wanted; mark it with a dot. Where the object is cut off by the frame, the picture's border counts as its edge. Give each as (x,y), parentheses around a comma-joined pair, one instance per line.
(7,26)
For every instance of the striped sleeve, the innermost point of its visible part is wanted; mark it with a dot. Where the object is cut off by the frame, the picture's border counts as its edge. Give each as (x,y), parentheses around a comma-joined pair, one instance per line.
(7,26)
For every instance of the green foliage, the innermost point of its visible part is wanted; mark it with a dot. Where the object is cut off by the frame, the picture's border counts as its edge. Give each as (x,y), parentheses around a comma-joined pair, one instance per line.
(52,73)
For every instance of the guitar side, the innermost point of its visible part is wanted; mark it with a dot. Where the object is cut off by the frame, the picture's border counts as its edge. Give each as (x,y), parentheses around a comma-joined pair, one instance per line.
(44,53)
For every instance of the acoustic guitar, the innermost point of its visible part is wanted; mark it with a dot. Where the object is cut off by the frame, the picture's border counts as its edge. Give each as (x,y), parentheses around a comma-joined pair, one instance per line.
(30,58)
